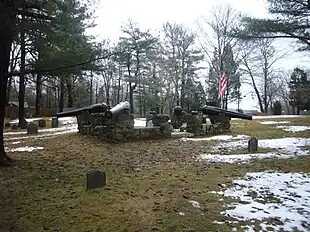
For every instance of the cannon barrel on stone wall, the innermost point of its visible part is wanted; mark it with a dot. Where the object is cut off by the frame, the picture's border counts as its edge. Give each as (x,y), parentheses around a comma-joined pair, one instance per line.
(95,108)
(212,110)
(118,109)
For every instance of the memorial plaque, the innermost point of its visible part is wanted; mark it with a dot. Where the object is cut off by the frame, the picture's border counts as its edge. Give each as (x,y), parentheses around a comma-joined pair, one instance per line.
(95,179)
(252,145)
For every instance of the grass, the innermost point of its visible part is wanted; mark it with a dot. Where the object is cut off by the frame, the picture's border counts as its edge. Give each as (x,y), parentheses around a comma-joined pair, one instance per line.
(260,131)
(148,184)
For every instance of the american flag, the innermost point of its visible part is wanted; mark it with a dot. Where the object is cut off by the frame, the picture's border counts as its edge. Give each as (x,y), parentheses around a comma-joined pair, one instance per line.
(222,84)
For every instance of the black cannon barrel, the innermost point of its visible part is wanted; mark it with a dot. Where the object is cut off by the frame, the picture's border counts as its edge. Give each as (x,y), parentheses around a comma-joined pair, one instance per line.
(95,108)
(118,109)
(212,110)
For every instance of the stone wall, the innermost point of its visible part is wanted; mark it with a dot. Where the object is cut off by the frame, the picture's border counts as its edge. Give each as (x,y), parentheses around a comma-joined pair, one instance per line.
(199,126)
(120,128)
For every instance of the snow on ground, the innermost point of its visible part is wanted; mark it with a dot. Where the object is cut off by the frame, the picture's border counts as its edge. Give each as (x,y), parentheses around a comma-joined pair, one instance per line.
(217,137)
(140,122)
(294,128)
(194,203)
(66,125)
(242,158)
(292,144)
(70,129)
(278,201)
(67,120)
(63,121)
(286,148)
(23,149)
(274,122)
(40,130)
(30,120)
(16,142)
(277,116)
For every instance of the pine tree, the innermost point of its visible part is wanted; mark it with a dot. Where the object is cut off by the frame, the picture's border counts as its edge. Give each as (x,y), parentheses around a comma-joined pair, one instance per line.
(299,90)
(290,21)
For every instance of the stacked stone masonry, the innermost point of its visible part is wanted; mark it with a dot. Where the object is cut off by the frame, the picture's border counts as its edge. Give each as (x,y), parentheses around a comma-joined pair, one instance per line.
(120,128)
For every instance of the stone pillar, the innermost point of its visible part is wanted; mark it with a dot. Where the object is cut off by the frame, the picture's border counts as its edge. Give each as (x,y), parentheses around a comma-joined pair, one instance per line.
(194,124)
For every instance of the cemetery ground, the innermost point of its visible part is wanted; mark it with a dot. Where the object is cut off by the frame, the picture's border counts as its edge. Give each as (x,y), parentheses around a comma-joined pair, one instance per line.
(159,185)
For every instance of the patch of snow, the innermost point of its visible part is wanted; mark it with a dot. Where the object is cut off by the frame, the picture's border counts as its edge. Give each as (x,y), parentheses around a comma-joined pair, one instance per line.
(218,137)
(16,142)
(67,130)
(274,122)
(141,119)
(287,148)
(181,213)
(266,196)
(29,120)
(217,222)
(40,130)
(292,144)
(15,133)
(194,203)
(67,120)
(141,122)
(294,128)
(277,116)
(22,149)
(242,158)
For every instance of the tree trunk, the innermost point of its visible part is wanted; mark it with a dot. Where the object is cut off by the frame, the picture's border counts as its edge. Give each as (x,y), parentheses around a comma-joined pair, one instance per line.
(38,95)
(131,89)
(257,94)
(21,95)
(107,94)
(8,91)
(287,107)
(7,22)
(57,94)
(49,98)
(61,95)
(97,95)
(144,102)
(140,100)
(226,96)
(70,93)
(122,95)
(91,88)
(177,95)
(293,110)
(119,84)
(182,93)
(265,97)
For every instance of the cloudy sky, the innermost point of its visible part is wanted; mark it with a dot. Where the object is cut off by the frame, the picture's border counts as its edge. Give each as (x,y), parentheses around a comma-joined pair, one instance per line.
(111,14)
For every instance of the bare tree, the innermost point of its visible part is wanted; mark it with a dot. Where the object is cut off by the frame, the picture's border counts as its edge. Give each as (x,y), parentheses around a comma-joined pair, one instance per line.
(221,49)
(258,60)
